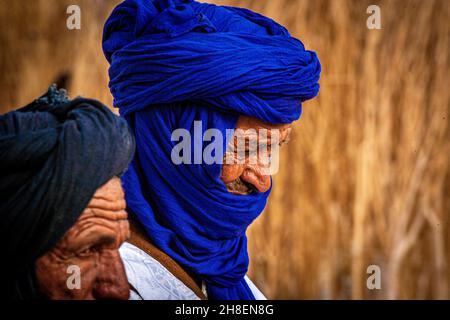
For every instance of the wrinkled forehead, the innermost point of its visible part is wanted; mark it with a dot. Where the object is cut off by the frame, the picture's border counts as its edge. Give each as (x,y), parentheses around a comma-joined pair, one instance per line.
(108,201)
(111,190)
(245,122)
(249,127)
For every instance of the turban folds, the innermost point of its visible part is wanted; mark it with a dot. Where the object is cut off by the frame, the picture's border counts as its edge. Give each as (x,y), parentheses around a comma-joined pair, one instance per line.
(54,154)
(177,61)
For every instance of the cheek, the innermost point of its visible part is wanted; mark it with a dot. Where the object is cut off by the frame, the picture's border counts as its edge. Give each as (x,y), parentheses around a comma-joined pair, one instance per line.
(71,278)
(263,159)
(231,172)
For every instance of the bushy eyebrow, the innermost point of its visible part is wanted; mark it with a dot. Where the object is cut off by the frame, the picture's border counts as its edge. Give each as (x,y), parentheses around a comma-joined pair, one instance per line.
(95,242)
(266,141)
(105,240)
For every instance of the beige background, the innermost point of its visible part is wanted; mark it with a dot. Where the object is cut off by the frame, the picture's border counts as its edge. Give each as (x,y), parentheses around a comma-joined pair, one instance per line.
(365,179)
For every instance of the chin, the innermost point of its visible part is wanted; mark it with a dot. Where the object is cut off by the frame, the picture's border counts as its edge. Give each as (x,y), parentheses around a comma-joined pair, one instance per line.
(241,193)
(240,187)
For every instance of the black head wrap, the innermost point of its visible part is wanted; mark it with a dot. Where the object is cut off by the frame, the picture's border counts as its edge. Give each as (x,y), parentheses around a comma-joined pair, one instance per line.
(54,154)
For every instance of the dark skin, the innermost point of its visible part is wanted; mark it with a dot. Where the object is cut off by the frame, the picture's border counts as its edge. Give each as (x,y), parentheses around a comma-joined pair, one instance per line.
(92,244)
(251,176)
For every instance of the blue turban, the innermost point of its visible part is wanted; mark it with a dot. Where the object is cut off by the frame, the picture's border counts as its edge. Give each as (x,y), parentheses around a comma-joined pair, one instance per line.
(177,61)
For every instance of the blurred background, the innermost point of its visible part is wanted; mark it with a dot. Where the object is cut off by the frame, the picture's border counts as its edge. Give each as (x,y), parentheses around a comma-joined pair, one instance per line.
(365,179)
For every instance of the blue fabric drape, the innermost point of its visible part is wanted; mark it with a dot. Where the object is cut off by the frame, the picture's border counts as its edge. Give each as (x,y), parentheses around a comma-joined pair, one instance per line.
(174,62)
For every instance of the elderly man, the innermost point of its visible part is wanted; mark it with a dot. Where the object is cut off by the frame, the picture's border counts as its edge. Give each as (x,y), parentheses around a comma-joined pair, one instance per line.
(181,64)
(61,201)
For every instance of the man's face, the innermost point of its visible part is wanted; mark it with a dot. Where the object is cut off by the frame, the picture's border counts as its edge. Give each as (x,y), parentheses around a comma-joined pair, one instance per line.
(248,171)
(90,246)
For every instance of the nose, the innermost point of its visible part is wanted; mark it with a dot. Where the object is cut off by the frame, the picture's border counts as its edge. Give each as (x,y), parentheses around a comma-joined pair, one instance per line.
(254,176)
(111,280)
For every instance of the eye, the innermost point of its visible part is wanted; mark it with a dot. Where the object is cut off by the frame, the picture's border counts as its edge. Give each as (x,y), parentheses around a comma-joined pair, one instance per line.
(250,153)
(85,252)
(89,250)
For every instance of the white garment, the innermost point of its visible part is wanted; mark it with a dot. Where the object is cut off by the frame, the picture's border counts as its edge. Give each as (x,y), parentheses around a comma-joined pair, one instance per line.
(153,281)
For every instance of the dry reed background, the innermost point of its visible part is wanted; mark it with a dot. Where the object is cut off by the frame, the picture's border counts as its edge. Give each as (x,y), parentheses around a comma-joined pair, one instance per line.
(365,179)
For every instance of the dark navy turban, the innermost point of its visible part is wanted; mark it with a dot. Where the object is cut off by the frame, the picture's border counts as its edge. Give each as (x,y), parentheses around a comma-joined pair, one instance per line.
(174,62)
(54,154)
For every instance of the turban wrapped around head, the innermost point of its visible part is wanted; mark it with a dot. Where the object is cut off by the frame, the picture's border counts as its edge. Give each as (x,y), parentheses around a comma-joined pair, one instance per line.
(229,58)
(173,62)
(54,154)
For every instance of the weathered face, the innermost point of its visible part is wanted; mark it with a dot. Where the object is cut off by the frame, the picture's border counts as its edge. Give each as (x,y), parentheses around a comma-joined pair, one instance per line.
(248,171)
(85,264)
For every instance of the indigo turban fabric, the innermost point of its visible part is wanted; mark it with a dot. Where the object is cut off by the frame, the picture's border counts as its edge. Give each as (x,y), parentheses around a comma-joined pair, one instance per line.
(54,154)
(173,62)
